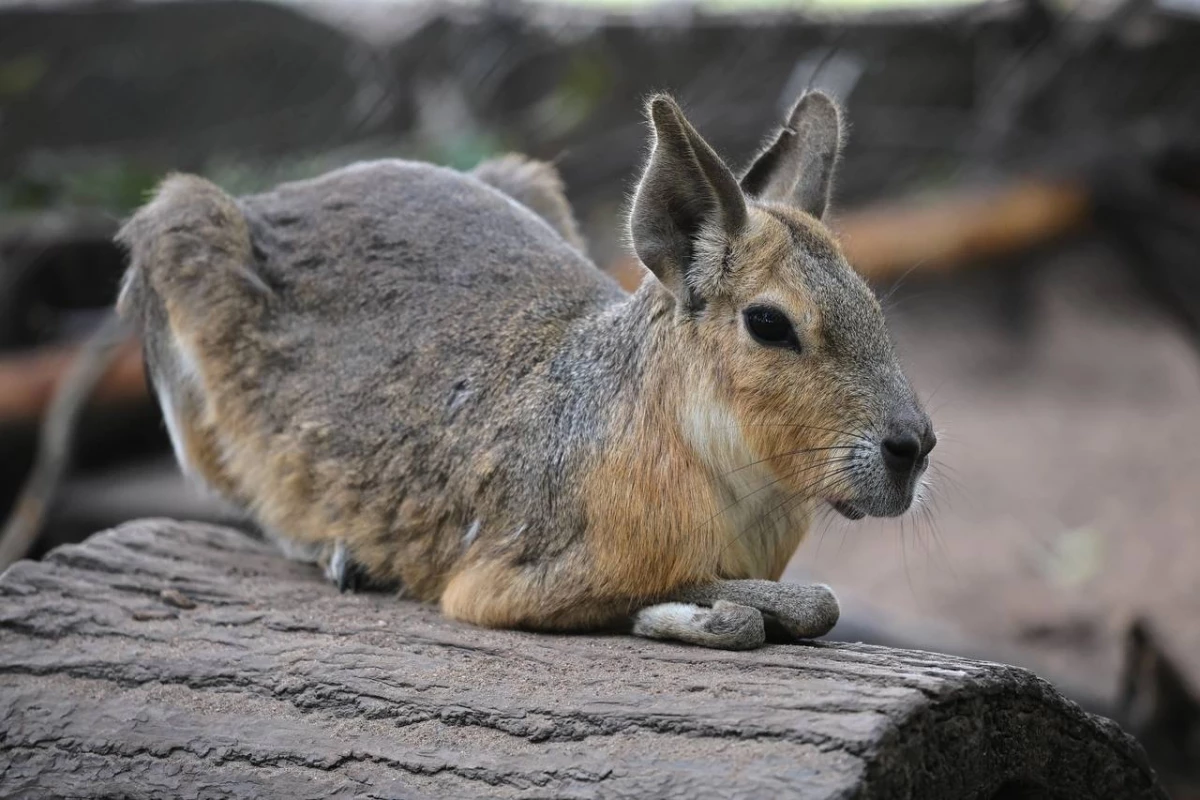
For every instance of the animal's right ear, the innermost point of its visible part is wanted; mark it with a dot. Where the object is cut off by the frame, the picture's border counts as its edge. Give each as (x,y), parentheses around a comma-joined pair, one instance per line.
(687,194)
(797,168)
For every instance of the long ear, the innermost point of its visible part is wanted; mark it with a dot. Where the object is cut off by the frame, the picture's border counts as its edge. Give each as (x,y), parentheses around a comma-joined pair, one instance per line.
(686,194)
(797,168)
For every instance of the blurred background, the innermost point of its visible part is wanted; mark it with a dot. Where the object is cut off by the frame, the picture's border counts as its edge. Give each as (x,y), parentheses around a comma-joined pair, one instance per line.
(1021,184)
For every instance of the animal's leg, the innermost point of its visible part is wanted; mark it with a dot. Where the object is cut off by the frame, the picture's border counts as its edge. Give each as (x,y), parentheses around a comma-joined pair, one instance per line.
(498,595)
(805,611)
(725,626)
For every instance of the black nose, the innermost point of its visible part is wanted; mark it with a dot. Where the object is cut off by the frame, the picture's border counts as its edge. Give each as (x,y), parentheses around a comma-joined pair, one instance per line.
(907,447)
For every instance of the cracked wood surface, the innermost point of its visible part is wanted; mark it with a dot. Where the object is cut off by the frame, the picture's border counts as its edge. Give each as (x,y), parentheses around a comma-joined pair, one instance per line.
(164,659)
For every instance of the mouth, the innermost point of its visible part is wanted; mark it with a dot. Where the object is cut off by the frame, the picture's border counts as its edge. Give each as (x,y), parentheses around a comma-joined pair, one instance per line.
(847,510)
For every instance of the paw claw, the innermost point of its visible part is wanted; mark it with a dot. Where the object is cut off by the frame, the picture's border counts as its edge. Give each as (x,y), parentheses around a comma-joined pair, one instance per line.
(343,571)
(348,575)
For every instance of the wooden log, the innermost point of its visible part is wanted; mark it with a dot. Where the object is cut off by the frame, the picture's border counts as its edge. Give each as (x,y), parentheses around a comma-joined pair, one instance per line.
(164,659)
(28,381)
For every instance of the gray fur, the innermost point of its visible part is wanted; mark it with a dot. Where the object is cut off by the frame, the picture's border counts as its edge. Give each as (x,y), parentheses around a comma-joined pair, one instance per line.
(415,213)
(537,185)
(797,167)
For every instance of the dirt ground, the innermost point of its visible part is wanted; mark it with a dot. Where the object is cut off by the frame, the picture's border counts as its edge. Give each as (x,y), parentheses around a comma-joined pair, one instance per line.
(1067,474)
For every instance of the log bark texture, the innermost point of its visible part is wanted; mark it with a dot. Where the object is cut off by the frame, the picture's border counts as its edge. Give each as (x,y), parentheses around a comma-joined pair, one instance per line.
(164,659)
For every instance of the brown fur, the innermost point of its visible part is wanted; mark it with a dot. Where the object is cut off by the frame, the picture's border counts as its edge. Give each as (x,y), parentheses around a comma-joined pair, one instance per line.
(399,360)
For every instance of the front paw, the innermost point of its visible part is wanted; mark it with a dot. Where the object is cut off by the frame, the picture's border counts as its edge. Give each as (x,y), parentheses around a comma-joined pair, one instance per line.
(802,611)
(733,626)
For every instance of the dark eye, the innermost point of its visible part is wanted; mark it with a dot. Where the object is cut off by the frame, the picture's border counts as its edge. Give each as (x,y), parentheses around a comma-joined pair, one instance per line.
(770,327)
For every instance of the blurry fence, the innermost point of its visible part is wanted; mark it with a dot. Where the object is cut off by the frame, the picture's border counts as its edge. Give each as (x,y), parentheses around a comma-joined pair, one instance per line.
(194,85)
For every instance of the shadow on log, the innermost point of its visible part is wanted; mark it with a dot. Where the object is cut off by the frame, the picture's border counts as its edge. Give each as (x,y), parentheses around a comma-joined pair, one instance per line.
(164,659)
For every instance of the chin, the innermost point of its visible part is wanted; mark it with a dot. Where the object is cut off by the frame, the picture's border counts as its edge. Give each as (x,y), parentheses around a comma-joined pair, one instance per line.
(873,507)
(847,509)
(878,495)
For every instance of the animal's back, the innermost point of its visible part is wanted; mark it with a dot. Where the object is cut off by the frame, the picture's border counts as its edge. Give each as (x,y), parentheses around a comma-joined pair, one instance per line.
(409,289)
(366,344)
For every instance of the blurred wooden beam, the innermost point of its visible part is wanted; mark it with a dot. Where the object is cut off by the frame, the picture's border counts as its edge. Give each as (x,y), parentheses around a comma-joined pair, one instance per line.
(948,232)
(958,229)
(28,381)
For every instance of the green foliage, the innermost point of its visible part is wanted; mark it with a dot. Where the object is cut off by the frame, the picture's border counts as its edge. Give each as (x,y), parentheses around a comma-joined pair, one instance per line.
(462,150)
(585,83)
(112,184)
(21,75)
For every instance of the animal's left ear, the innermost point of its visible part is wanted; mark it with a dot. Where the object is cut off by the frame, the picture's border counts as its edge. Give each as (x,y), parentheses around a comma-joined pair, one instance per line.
(797,167)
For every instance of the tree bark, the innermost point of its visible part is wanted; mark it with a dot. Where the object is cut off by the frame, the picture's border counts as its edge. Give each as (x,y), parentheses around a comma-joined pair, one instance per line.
(164,659)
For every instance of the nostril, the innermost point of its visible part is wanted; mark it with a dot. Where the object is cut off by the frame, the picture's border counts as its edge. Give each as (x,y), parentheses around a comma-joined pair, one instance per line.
(902,452)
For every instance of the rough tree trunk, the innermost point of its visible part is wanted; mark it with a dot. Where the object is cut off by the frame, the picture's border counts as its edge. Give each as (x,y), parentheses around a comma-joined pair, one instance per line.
(181,660)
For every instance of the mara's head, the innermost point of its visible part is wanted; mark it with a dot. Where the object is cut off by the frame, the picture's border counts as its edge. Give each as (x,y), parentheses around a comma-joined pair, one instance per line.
(790,362)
